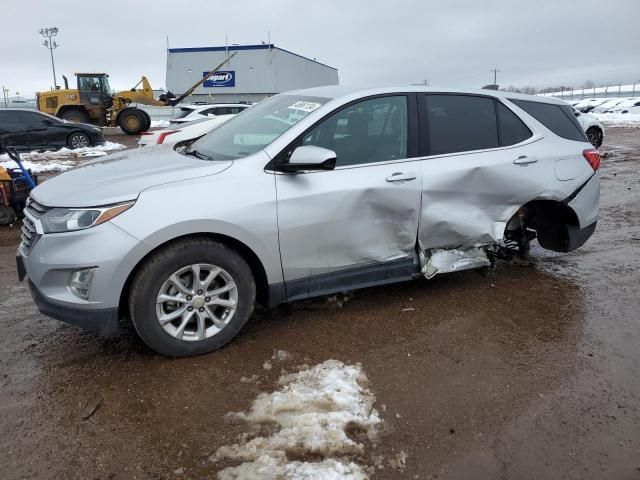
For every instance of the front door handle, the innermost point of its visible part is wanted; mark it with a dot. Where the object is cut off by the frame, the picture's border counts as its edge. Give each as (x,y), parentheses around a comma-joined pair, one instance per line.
(401,177)
(524,160)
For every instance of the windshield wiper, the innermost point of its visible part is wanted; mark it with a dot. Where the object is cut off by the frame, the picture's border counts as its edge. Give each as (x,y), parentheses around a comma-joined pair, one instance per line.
(197,154)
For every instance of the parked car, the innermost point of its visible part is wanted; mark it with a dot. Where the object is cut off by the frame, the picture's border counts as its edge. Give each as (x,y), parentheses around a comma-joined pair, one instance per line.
(32,130)
(608,105)
(359,188)
(194,112)
(585,106)
(627,106)
(183,131)
(592,127)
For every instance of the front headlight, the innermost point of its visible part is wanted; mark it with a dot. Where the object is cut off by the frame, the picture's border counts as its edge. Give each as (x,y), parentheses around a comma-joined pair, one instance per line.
(59,220)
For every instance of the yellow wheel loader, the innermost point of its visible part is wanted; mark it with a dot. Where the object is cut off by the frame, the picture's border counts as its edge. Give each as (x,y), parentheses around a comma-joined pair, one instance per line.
(94,102)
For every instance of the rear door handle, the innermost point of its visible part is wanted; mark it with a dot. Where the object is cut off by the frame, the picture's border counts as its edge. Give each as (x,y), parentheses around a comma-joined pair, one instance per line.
(401,177)
(524,160)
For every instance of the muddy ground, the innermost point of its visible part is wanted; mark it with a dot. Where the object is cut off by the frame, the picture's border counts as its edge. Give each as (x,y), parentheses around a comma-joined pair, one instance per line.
(530,372)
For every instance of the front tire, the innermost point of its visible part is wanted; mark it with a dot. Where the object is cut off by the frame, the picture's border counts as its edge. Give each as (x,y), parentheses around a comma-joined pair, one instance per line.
(78,140)
(132,121)
(191,297)
(594,134)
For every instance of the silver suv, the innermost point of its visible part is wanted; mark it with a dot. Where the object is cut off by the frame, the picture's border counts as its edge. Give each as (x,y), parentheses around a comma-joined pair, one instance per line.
(307,193)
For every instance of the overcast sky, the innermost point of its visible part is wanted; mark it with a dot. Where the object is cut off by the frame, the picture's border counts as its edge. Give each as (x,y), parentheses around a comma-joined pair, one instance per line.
(449,42)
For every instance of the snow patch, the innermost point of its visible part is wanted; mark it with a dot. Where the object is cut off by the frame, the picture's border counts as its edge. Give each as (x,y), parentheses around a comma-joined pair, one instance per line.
(59,160)
(307,417)
(270,468)
(618,119)
(160,123)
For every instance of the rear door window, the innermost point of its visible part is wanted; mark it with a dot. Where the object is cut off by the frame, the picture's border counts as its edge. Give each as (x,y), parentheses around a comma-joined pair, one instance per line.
(32,120)
(9,119)
(461,123)
(512,129)
(557,118)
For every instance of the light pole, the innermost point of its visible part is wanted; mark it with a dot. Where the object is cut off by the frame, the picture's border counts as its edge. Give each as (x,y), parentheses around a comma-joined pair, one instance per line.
(495,75)
(5,91)
(47,33)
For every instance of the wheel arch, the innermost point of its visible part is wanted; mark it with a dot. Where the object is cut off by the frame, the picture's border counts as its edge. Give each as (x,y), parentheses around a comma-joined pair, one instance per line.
(551,219)
(252,259)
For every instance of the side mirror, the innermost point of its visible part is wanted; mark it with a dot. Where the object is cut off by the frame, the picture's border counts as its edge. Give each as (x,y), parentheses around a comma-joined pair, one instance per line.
(47,122)
(310,157)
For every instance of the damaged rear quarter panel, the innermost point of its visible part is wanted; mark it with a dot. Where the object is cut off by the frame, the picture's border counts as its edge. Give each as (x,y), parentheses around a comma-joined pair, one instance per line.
(467,198)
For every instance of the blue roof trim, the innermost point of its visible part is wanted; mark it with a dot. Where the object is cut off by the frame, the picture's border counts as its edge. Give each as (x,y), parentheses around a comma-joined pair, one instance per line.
(221,49)
(233,48)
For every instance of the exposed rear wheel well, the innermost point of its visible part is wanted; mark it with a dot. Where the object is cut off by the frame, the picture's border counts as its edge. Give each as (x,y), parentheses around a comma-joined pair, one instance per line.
(257,269)
(551,221)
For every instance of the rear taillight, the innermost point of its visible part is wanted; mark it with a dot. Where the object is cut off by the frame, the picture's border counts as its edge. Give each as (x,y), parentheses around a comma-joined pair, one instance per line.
(163,135)
(593,157)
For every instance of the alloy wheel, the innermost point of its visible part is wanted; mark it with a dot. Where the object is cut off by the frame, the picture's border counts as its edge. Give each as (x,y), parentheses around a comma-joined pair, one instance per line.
(79,141)
(196,302)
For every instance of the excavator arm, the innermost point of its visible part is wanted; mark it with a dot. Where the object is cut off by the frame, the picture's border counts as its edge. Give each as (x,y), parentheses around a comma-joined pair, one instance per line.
(144,96)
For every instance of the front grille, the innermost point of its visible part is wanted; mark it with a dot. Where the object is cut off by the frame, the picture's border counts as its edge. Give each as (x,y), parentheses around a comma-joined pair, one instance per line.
(32,212)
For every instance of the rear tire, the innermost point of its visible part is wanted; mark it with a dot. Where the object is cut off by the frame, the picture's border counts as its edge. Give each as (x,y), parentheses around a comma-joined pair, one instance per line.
(7,215)
(75,115)
(594,134)
(78,140)
(132,121)
(184,319)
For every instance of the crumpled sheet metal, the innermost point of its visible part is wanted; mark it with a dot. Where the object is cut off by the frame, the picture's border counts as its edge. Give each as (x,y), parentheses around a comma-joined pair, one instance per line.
(444,261)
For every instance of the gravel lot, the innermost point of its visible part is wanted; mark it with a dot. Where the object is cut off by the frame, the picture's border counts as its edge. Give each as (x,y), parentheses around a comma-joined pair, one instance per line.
(528,372)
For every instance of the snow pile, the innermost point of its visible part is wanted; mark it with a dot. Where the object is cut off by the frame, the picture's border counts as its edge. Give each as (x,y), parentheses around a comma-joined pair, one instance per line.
(267,467)
(618,119)
(307,418)
(59,160)
(160,123)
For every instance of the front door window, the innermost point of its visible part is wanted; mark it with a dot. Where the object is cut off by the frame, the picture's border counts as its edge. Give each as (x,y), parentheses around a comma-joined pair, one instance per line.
(374,130)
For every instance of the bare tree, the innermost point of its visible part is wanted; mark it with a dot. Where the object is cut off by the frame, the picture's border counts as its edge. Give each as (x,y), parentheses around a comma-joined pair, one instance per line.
(529,90)
(588,84)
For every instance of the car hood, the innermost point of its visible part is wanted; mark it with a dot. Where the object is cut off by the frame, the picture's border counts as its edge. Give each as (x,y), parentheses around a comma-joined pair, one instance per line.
(122,176)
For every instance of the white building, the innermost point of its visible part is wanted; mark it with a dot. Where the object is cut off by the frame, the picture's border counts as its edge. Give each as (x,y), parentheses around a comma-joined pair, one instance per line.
(256,72)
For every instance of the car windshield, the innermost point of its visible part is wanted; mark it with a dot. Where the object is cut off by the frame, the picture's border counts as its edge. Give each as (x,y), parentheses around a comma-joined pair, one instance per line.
(256,127)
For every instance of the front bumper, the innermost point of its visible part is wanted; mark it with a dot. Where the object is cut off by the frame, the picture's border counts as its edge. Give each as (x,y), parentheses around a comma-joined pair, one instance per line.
(53,259)
(104,322)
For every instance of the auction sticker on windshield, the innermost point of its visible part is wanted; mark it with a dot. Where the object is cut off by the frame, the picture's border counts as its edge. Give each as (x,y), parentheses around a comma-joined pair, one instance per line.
(305,106)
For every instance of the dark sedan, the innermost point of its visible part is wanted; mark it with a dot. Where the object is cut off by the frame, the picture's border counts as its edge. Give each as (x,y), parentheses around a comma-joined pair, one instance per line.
(32,130)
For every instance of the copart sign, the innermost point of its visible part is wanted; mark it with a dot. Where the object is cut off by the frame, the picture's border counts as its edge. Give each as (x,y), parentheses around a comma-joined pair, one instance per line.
(220,79)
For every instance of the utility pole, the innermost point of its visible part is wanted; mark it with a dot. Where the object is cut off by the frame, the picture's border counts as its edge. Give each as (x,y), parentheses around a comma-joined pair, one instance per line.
(5,91)
(48,33)
(495,75)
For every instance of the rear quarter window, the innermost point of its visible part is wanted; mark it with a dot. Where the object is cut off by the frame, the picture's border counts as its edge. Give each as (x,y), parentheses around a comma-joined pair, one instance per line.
(512,129)
(557,118)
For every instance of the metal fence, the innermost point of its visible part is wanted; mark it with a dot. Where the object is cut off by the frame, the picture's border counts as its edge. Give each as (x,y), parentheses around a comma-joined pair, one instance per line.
(156,113)
(607,91)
